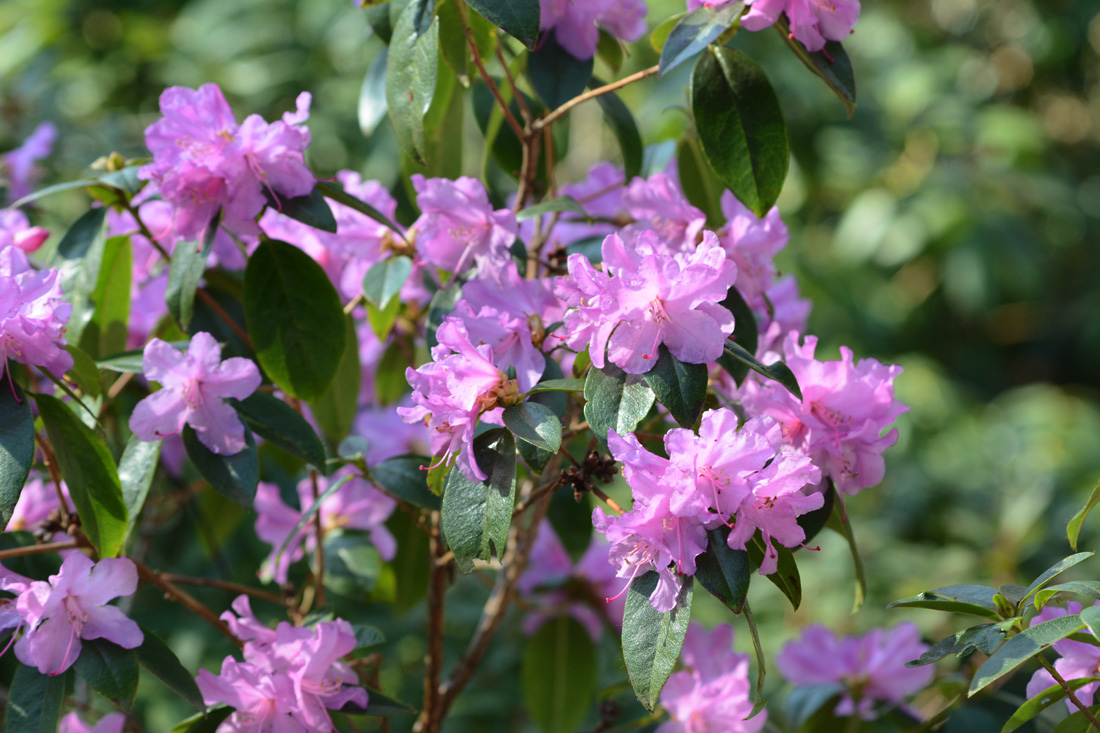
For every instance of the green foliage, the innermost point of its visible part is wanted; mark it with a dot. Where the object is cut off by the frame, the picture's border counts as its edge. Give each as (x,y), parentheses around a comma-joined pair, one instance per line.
(110,670)
(477,514)
(16,444)
(159,660)
(615,401)
(235,477)
(279,423)
(680,387)
(695,31)
(651,639)
(34,703)
(559,675)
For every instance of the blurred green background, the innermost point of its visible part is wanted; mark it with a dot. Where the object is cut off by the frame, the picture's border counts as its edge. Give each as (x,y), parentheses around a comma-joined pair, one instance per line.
(951,225)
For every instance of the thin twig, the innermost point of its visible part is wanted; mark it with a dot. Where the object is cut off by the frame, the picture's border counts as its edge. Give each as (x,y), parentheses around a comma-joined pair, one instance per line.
(145,230)
(524,111)
(184,599)
(432,714)
(512,121)
(592,94)
(216,307)
(55,476)
(1069,691)
(225,585)
(38,549)
(319,552)
(607,499)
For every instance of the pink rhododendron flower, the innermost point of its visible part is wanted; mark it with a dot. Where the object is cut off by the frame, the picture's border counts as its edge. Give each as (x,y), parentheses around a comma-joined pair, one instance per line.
(16,230)
(600,194)
(1077,660)
(845,408)
(645,297)
(813,22)
(109,723)
(33,315)
(72,606)
(508,335)
(658,204)
(193,386)
(870,668)
(712,693)
(577,25)
(752,243)
(458,227)
(18,164)
(203,160)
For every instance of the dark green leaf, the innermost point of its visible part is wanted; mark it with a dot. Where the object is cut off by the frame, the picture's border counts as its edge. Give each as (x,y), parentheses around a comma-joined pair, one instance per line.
(1055,570)
(725,573)
(652,640)
(295,319)
(1078,722)
(517,17)
(16,444)
(1023,647)
(125,179)
(405,478)
(80,254)
(203,723)
(745,334)
(610,49)
(443,302)
(537,424)
(1048,697)
(1091,616)
(91,475)
(477,514)
(758,701)
(34,701)
(695,31)
(813,522)
(379,705)
(367,636)
(412,563)
(1073,529)
(411,73)
(558,385)
(310,209)
(841,523)
(1088,588)
(335,193)
(701,187)
(335,411)
(830,63)
(161,662)
(235,477)
(81,236)
(615,401)
(280,424)
(307,514)
(806,700)
(778,371)
(188,264)
(384,280)
(107,330)
(559,675)
(622,123)
(84,372)
(983,637)
(561,203)
(555,74)
(740,126)
(976,600)
(786,576)
(110,670)
(679,386)
(572,522)
(136,469)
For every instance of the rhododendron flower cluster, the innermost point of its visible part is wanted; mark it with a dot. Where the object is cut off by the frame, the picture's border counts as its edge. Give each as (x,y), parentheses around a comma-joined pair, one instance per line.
(867,670)
(291,676)
(204,161)
(458,227)
(193,385)
(577,25)
(712,693)
(1077,659)
(33,315)
(812,22)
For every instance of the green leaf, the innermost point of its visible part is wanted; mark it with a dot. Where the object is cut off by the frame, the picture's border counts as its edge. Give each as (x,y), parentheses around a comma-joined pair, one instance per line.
(336,409)
(561,203)
(390,384)
(695,31)
(786,577)
(558,385)
(520,18)
(34,701)
(295,319)
(624,127)
(16,444)
(235,477)
(679,386)
(745,334)
(659,37)
(110,670)
(1073,529)
(777,371)
(161,662)
(125,179)
(334,193)
(1055,570)
(537,424)
(559,675)
(610,49)
(831,64)
(308,513)
(405,478)
(572,522)
(310,209)
(367,636)
(1045,699)
(80,253)
(411,73)
(84,372)
(90,473)
(841,523)
(188,265)
(381,320)
(1088,588)
(379,705)
(280,424)
(131,361)
(477,515)
(372,107)
(136,469)
(976,600)
(107,330)
(725,573)
(1091,616)
(615,401)
(813,522)
(1078,722)
(740,126)
(555,74)
(700,185)
(758,701)
(1023,647)
(203,723)
(652,640)
(983,637)
(412,563)
(50,190)
(384,280)
(442,303)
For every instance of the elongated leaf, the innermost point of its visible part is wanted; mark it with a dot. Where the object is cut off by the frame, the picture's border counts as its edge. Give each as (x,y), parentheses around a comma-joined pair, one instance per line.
(80,254)
(976,600)
(1055,570)
(235,477)
(1091,616)
(616,401)
(695,31)
(280,424)
(519,18)
(841,523)
(1087,588)
(372,94)
(558,385)
(725,573)
(335,411)
(411,73)
(384,280)
(537,424)
(1037,704)
(652,640)
(622,123)
(379,705)
(310,209)
(786,576)
(1023,647)
(333,192)
(477,514)
(131,361)
(34,701)
(745,334)
(1073,529)
(442,303)
(295,319)
(16,443)
(679,386)
(983,637)
(84,371)
(740,126)
(307,515)
(701,187)
(1078,722)
(572,522)
(160,661)
(110,670)
(136,469)
(555,74)
(188,264)
(203,723)
(758,701)
(830,63)
(107,332)
(778,371)
(561,203)
(405,478)
(90,473)
(559,675)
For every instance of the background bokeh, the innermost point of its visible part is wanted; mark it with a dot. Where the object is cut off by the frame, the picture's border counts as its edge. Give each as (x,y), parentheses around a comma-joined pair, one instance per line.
(952,225)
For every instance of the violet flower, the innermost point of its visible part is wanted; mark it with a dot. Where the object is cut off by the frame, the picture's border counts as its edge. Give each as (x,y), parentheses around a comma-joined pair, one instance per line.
(109,723)
(813,22)
(16,230)
(458,227)
(577,25)
(19,163)
(33,315)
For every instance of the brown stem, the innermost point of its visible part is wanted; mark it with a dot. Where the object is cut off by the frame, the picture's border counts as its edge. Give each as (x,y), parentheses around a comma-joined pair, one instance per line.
(535,496)
(528,170)
(225,585)
(38,549)
(511,119)
(432,713)
(1069,691)
(216,307)
(319,552)
(51,465)
(607,499)
(592,94)
(184,599)
(524,111)
(145,230)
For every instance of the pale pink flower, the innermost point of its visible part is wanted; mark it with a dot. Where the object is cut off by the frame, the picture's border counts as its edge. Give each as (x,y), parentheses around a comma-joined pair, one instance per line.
(813,22)
(18,164)
(658,204)
(33,315)
(109,723)
(577,25)
(458,227)
(752,242)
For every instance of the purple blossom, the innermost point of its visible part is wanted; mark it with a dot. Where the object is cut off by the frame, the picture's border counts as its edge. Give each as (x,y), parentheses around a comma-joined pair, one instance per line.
(19,163)
(577,25)
(203,160)
(507,334)
(109,723)
(72,606)
(600,194)
(657,204)
(16,230)
(1077,659)
(193,386)
(752,243)
(33,315)
(458,227)
(871,668)
(813,22)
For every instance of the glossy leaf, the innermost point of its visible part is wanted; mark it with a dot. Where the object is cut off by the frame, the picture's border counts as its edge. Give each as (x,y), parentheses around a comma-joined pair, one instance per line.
(725,573)
(1023,647)
(80,254)
(537,424)
(695,31)
(740,126)
(984,638)
(1091,616)
(1087,588)
(372,107)
(307,515)
(615,401)
(786,576)
(311,209)
(335,411)
(84,372)
(405,478)
(560,204)
(976,600)
(160,661)
(701,187)
(477,514)
(131,361)
(777,371)
(107,331)
(624,127)
(558,385)
(384,280)
(520,18)
(1073,529)
(235,477)
(745,334)
(572,521)
(559,675)
(652,640)
(280,424)
(91,475)
(830,63)
(333,192)
(16,443)
(379,705)
(33,702)
(411,74)
(110,670)
(1045,699)
(1078,722)
(203,723)
(679,386)
(295,319)
(442,303)
(1055,570)
(841,523)
(136,469)
(188,264)
(555,74)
